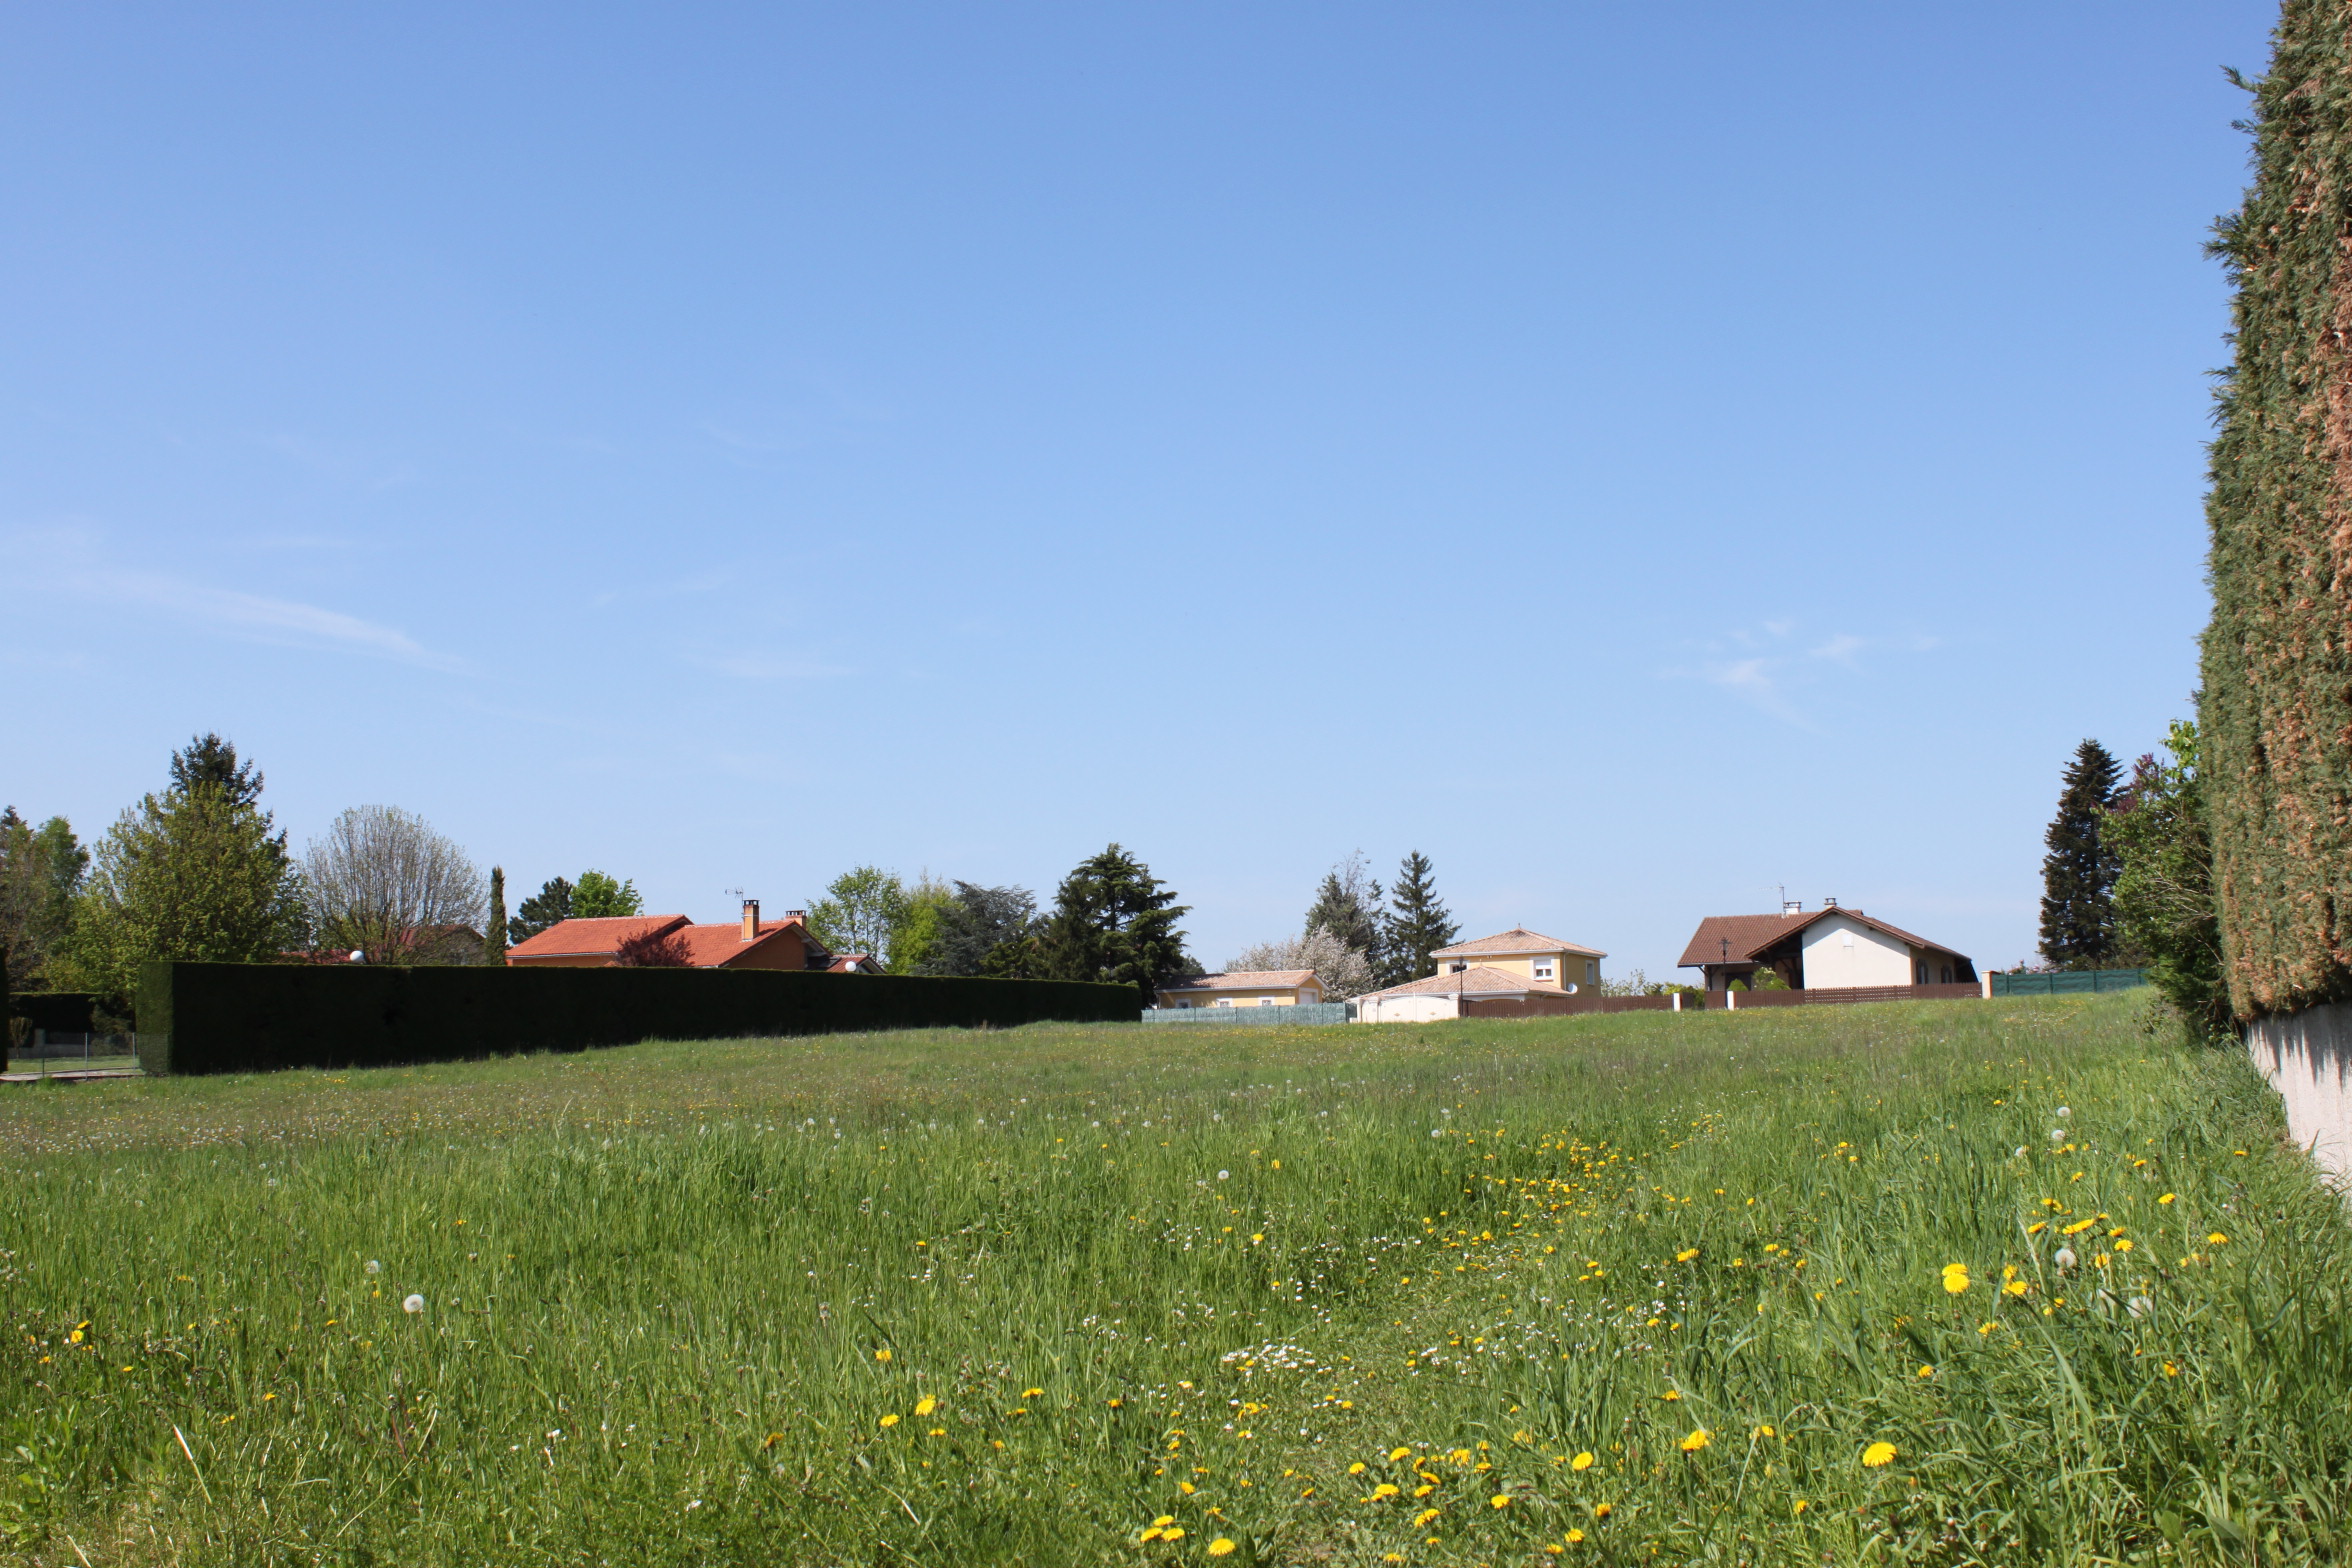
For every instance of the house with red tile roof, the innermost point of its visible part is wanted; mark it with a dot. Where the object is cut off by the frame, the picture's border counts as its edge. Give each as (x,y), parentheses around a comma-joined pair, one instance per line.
(1830,948)
(751,943)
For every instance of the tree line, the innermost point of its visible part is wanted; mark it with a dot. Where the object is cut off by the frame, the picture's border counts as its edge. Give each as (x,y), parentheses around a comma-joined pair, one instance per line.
(200,870)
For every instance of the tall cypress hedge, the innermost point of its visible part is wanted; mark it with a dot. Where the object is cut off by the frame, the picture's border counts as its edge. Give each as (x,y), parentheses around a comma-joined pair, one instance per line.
(234,1018)
(2276,712)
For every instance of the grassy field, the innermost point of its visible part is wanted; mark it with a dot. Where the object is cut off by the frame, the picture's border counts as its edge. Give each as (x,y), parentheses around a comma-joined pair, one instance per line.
(1774,1287)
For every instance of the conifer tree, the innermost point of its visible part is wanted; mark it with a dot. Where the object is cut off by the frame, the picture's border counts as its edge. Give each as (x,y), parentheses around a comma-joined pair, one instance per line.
(1113,921)
(494,929)
(2078,874)
(1348,906)
(1418,924)
(550,906)
(2275,747)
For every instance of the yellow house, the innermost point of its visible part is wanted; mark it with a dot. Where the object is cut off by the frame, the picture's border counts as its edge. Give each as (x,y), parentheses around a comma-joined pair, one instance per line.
(1246,988)
(1544,959)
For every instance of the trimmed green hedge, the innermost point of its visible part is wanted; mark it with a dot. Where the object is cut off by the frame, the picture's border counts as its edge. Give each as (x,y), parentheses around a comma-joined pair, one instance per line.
(59,1012)
(236,1018)
(2275,748)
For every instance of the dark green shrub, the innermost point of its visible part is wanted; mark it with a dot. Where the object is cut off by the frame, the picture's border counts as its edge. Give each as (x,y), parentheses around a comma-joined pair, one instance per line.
(233,1018)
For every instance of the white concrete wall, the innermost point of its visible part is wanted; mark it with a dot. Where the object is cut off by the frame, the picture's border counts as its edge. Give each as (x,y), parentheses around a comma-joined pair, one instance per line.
(1426,1007)
(2308,1059)
(1841,952)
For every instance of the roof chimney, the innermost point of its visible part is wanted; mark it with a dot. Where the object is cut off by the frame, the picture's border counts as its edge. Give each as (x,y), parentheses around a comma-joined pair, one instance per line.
(1829,903)
(1793,906)
(750,919)
(800,915)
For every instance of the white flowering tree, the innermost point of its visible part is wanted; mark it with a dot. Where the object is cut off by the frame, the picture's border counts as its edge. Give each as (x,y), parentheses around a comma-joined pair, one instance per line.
(1343,970)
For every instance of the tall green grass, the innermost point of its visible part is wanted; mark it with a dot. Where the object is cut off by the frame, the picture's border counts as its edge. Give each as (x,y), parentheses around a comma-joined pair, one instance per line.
(1022,1296)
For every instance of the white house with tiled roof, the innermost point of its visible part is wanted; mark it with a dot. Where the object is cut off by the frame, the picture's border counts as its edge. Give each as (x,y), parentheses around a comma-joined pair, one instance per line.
(1245,988)
(1546,959)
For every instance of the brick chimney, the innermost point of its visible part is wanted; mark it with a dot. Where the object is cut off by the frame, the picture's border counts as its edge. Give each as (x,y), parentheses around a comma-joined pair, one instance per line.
(750,919)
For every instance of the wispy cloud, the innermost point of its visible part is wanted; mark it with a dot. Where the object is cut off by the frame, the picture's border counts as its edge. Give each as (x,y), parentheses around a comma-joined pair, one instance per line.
(70,561)
(769,667)
(1761,665)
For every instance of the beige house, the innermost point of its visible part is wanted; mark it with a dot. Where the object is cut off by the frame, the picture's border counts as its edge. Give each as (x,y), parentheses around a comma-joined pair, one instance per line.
(1246,988)
(1515,974)
(1544,959)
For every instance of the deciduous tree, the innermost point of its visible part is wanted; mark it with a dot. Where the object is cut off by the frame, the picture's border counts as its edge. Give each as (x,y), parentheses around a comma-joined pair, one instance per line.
(598,897)
(41,869)
(982,931)
(654,950)
(1344,971)
(196,872)
(2164,903)
(860,910)
(382,882)
(1348,906)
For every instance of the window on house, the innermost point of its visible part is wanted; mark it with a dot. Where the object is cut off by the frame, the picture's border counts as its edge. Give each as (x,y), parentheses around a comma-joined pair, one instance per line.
(1265,1001)
(1543,969)
(1923,974)
(1592,971)
(1947,972)
(1456,967)
(1224,1001)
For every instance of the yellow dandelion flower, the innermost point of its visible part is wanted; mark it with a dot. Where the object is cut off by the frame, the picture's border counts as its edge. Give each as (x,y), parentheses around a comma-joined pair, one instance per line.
(1699,1438)
(1500,1500)
(2217,1239)
(1879,1455)
(1573,1536)
(2123,1244)
(1603,1510)
(2016,1287)
(925,1405)
(1384,1489)
(1927,1371)
(1686,1254)
(890,1420)
(1174,1532)
(1222,1546)
(1581,1462)
(1956,1278)
(1032,1393)
(1421,1519)
(1672,1393)
(2168,1197)
(1800,1507)
(2037,1227)
(1396,1454)
(1150,1534)
(1357,1468)
(883,1354)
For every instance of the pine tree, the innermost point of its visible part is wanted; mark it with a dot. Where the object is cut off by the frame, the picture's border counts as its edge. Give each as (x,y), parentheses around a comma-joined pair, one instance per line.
(494,929)
(209,760)
(1114,922)
(2275,747)
(1418,924)
(550,906)
(2078,874)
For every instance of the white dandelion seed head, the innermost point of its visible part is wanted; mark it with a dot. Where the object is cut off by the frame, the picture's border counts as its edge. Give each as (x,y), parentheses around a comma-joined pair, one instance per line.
(2057,1135)
(1224,1175)
(2064,1258)
(373,1267)
(413,1304)
(2020,1151)
(2063,1111)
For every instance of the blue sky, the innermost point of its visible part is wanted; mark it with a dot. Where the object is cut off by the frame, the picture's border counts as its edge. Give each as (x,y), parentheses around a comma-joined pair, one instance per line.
(1641,456)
